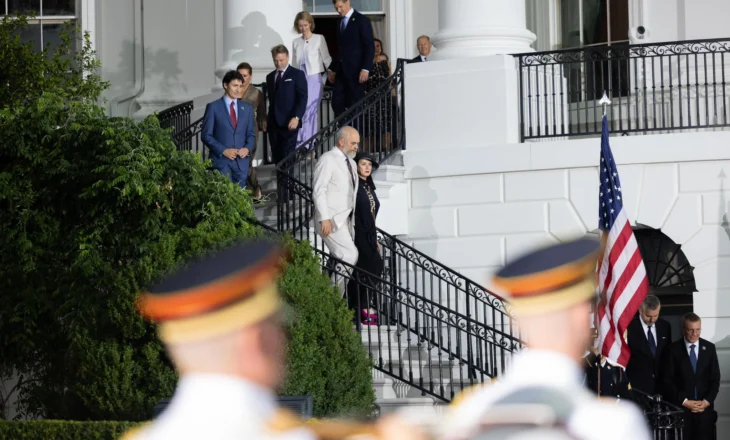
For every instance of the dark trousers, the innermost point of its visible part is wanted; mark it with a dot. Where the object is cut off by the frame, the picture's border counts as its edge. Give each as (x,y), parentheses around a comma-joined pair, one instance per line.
(361,292)
(283,143)
(346,92)
(699,426)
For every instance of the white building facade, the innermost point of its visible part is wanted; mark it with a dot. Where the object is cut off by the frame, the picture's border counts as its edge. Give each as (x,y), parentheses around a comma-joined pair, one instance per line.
(500,157)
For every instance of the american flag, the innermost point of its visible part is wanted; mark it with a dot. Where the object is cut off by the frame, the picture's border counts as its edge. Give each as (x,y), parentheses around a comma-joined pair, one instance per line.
(622,281)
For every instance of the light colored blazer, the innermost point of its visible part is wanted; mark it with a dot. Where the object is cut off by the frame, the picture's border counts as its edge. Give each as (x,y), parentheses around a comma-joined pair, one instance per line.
(334,196)
(314,51)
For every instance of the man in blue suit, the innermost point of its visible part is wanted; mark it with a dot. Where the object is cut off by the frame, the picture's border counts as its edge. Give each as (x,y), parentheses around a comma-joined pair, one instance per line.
(349,71)
(288,92)
(228,131)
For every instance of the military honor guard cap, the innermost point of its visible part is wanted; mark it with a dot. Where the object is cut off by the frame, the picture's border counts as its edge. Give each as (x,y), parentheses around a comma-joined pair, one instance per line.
(216,294)
(552,278)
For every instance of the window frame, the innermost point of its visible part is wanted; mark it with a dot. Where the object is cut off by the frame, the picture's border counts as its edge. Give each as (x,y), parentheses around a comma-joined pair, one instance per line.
(42,19)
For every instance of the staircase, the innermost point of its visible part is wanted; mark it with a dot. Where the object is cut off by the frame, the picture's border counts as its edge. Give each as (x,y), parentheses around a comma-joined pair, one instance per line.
(439,332)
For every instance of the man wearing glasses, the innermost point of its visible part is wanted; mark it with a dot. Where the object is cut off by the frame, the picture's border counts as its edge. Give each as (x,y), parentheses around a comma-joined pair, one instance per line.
(691,379)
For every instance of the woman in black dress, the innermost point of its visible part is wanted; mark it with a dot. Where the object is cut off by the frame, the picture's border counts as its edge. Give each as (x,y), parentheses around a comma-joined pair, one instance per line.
(360,298)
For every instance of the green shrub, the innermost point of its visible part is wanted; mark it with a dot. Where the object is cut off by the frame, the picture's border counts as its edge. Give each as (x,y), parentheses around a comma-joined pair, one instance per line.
(65,68)
(63,430)
(326,357)
(92,209)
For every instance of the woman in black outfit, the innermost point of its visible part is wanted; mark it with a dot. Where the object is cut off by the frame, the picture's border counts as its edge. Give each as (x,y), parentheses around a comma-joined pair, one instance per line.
(361,299)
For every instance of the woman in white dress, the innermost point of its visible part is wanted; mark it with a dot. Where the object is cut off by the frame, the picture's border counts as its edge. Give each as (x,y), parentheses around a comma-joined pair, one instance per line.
(310,54)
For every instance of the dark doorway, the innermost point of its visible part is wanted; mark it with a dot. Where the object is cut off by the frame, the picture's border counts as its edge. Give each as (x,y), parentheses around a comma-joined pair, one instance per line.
(669,274)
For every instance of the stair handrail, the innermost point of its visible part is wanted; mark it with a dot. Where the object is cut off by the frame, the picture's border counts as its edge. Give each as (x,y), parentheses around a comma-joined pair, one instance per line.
(329,130)
(446,273)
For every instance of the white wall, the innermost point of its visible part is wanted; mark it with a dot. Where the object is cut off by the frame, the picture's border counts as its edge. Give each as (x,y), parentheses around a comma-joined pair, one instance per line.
(425,21)
(115,44)
(475,208)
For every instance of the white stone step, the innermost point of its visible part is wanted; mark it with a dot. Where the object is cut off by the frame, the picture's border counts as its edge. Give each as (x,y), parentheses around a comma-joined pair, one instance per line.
(421,404)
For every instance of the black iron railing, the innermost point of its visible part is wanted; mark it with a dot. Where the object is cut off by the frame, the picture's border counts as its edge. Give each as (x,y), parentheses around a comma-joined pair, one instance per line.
(176,117)
(665,419)
(422,341)
(658,87)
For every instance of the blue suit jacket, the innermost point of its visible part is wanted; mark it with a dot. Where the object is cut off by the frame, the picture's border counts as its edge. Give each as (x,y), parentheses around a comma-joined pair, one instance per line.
(218,133)
(290,100)
(356,47)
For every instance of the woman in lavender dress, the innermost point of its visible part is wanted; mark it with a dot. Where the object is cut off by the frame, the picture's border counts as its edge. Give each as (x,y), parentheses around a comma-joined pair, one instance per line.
(310,54)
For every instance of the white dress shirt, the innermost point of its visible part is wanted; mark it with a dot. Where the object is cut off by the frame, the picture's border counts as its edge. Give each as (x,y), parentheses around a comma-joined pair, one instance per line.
(228,102)
(688,345)
(218,407)
(348,16)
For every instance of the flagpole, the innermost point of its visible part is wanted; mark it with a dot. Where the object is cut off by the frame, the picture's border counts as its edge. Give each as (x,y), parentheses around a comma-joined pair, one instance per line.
(604,101)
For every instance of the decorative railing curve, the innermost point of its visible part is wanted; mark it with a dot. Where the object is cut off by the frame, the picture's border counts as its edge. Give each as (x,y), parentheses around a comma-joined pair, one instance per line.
(444,272)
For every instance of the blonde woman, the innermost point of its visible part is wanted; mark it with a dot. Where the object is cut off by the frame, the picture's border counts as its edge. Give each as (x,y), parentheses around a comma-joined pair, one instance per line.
(311,55)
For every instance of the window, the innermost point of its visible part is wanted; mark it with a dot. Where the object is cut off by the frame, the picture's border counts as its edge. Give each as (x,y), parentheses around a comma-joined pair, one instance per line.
(599,27)
(323,7)
(594,22)
(48,20)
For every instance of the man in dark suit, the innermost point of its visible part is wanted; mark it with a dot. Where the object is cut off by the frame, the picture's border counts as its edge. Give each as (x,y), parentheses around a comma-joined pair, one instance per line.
(647,336)
(228,131)
(691,378)
(423,44)
(287,91)
(349,71)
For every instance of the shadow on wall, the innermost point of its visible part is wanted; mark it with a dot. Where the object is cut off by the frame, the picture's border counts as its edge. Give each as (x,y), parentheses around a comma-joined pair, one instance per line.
(253,40)
(161,71)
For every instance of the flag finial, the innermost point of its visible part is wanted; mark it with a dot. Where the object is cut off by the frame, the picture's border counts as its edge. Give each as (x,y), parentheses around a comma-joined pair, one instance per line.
(604,102)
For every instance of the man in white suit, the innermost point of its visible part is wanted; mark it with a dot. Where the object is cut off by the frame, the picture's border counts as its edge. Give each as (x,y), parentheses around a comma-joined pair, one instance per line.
(334,191)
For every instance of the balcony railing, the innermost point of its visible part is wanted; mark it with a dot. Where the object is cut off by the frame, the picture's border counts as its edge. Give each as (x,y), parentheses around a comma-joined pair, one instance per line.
(658,87)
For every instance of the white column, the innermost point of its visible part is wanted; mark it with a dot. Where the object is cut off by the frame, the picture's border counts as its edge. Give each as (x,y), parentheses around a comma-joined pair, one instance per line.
(476,28)
(250,28)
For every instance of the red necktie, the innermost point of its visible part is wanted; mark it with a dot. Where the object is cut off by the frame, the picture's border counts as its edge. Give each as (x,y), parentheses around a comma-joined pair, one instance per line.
(234,120)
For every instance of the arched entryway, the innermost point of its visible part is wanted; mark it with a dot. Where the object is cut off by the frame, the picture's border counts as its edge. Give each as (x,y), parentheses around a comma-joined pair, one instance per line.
(669,273)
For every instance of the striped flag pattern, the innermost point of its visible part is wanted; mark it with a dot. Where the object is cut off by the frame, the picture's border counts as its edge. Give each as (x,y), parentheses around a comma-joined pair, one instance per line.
(622,282)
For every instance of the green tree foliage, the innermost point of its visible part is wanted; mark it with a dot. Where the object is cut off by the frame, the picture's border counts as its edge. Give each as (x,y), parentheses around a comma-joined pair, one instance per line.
(67,69)
(63,430)
(326,358)
(94,208)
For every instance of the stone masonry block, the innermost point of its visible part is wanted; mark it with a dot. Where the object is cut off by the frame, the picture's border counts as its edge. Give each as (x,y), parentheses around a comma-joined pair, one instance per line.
(502,218)
(536,185)
(564,222)
(464,252)
(703,176)
(429,223)
(457,190)
(658,193)
(583,195)
(685,218)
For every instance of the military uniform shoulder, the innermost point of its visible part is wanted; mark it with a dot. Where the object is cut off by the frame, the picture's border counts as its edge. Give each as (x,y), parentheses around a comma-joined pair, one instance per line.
(136,432)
